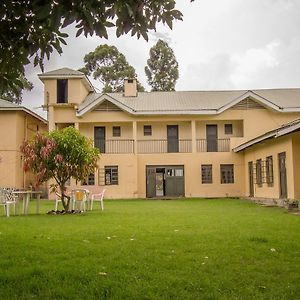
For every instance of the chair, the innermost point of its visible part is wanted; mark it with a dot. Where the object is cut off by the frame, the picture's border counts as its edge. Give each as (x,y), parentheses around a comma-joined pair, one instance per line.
(80,196)
(57,200)
(98,197)
(6,199)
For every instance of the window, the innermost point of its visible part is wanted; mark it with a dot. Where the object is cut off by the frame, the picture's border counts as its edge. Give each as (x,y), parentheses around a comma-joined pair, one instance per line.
(147,130)
(62,90)
(206,173)
(228,129)
(111,175)
(90,180)
(259,172)
(269,171)
(227,174)
(116,131)
(99,138)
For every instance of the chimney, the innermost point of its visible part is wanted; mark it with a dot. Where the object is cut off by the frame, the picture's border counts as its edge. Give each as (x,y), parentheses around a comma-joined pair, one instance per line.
(130,88)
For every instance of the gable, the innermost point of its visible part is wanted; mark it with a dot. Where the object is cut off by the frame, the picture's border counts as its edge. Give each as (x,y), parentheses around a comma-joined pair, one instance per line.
(107,106)
(247,104)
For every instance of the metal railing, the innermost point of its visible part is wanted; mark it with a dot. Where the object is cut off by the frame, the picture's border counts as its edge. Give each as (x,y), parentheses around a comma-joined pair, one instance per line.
(115,146)
(218,145)
(164,146)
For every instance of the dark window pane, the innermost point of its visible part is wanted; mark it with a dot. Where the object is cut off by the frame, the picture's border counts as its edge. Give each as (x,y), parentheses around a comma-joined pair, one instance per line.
(62,90)
(116,131)
(228,129)
(206,173)
(259,172)
(111,175)
(269,170)
(227,174)
(147,130)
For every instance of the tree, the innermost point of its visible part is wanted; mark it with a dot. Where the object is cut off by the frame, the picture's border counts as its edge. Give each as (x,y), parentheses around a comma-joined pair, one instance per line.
(34,28)
(162,67)
(14,94)
(110,67)
(60,155)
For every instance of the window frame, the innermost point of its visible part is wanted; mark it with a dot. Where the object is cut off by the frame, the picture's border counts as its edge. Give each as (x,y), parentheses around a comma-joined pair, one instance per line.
(228,169)
(110,172)
(206,174)
(148,132)
(259,172)
(269,171)
(116,131)
(228,126)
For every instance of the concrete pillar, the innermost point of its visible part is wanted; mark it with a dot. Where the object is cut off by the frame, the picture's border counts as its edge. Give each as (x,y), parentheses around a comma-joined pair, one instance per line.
(193,129)
(134,136)
(51,123)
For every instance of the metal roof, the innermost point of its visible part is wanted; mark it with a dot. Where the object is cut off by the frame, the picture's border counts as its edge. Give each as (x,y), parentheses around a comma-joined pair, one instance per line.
(62,72)
(194,102)
(275,133)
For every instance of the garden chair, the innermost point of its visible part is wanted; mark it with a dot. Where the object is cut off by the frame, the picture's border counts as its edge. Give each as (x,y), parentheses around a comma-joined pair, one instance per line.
(80,196)
(6,200)
(57,200)
(98,197)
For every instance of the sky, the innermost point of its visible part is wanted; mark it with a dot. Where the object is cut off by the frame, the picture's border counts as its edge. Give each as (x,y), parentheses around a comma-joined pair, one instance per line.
(219,45)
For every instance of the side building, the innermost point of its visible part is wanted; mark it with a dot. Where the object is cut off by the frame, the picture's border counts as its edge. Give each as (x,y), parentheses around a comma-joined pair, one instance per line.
(17,123)
(167,144)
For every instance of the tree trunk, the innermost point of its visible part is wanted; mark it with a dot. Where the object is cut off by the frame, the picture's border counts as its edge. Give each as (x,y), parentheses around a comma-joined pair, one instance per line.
(64,197)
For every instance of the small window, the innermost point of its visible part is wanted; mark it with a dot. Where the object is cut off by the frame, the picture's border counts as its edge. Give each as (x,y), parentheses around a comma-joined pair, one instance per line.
(269,171)
(147,130)
(62,90)
(90,180)
(206,173)
(116,131)
(259,172)
(111,175)
(227,174)
(228,129)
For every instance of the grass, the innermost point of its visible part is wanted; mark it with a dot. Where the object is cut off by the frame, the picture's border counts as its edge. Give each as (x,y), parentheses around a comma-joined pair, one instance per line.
(181,249)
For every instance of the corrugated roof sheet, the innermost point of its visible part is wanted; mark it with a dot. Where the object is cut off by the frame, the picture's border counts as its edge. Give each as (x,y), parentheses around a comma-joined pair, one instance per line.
(63,72)
(7,104)
(194,101)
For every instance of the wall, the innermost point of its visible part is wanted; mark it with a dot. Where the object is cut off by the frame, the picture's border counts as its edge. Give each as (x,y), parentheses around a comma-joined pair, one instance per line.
(261,151)
(296,163)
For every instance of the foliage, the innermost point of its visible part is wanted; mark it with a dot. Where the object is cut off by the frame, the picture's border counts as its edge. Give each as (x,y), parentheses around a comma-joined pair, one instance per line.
(110,67)
(162,67)
(60,155)
(14,93)
(35,28)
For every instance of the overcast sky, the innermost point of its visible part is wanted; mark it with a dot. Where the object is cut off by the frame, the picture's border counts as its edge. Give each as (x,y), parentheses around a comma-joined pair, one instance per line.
(220,44)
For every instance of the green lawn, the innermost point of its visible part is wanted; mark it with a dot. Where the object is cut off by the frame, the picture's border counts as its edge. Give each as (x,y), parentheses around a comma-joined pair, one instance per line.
(181,249)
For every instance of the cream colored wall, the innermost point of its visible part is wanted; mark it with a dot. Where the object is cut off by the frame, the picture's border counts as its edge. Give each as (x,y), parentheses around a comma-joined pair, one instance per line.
(76,91)
(15,127)
(296,164)
(272,148)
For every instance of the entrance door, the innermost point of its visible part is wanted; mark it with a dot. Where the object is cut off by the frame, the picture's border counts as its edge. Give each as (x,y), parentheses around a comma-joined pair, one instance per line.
(99,138)
(159,182)
(251,181)
(174,181)
(172,135)
(282,175)
(151,182)
(212,138)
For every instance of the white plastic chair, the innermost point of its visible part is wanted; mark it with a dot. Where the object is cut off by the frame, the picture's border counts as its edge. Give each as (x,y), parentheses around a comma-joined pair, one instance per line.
(80,196)
(7,199)
(98,197)
(57,200)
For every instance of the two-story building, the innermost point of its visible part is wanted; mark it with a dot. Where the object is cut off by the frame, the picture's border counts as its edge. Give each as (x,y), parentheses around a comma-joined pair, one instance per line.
(17,123)
(172,144)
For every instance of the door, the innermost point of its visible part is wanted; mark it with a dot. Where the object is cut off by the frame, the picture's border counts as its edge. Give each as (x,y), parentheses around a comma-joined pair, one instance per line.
(282,175)
(159,182)
(150,182)
(174,181)
(172,135)
(99,138)
(251,181)
(212,138)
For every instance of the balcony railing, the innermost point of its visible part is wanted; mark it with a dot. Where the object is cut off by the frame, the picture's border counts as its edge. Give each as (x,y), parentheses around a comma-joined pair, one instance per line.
(214,145)
(164,146)
(115,146)
(161,146)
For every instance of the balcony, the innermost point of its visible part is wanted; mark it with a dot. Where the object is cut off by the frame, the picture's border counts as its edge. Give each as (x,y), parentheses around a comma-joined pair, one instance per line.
(161,146)
(164,146)
(115,146)
(214,145)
